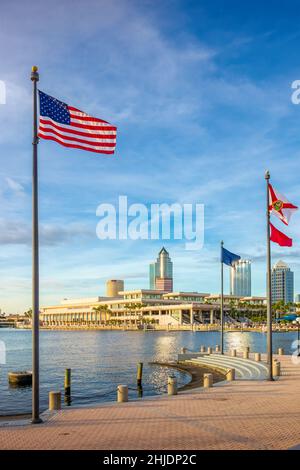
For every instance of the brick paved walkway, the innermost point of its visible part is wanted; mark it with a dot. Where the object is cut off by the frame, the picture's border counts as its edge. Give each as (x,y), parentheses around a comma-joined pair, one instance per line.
(237,415)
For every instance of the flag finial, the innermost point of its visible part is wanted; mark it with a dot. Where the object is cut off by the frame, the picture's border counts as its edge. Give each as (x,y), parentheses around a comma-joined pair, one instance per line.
(34,73)
(267,175)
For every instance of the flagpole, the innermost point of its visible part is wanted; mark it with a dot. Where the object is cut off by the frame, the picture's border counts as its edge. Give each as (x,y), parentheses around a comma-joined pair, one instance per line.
(222,302)
(35,258)
(269,292)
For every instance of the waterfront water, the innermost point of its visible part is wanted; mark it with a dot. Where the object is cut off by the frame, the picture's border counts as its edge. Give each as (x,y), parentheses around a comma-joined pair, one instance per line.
(100,360)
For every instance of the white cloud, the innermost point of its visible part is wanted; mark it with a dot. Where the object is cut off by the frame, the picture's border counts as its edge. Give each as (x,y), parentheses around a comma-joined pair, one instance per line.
(14,185)
(18,232)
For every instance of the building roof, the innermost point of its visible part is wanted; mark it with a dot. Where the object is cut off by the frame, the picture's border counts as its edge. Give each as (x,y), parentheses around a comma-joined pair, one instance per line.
(254,297)
(226,296)
(142,291)
(190,294)
(82,299)
(280,264)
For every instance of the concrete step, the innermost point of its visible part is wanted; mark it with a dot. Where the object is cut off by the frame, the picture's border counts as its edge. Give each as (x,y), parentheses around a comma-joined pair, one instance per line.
(260,366)
(257,370)
(205,361)
(246,369)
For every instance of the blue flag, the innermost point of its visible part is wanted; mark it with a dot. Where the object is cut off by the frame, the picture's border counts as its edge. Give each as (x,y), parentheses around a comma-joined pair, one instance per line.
(228,258)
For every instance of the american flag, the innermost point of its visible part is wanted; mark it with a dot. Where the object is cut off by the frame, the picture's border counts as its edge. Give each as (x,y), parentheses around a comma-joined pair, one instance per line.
(73,128)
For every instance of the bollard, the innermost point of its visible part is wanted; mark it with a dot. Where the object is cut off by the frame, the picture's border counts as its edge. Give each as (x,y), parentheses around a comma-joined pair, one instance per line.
(281,351)
(276,368)
(209,350)
(19,378)
(122,393)
(217,348)
(172,385)
(67,381)
(139,374)
(230,374)
(183,350)
(54,401)
(202,349)
(257,357)
(68,400)
(279,368)
(207,380)
(233,352)
(246,354)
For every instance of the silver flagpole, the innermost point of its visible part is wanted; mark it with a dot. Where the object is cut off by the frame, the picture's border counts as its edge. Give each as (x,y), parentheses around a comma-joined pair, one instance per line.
(269,292)
(222,302)
(35,259)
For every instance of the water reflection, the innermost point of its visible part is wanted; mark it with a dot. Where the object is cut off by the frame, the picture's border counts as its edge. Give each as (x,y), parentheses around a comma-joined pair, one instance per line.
(102,360)
(19,386)
(238,340)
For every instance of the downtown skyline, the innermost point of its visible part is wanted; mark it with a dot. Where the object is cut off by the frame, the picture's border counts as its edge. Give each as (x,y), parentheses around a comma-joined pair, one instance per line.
(200,113)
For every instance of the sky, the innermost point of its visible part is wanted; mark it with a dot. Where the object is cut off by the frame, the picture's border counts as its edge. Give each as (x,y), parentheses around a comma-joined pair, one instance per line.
(201,94)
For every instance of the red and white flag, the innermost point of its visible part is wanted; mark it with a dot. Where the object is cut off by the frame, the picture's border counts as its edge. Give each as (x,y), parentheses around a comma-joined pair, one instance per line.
(280,206)
(278,237)
(73,128)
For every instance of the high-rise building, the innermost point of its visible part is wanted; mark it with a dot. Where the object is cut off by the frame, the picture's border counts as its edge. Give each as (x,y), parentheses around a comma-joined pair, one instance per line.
(240,278)
(282,283)
(153,274)
(164,283)
(161,272)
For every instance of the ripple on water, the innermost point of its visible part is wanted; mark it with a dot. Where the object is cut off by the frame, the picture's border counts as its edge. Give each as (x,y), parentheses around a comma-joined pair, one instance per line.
(100,360)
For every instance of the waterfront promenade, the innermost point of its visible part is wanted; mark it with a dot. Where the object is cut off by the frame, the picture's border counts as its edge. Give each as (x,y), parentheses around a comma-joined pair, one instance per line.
(205,327)
(236,415)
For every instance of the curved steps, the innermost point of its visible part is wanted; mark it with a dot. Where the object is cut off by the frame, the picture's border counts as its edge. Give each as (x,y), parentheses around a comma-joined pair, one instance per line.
(246,369)
(241,370)
(259,367)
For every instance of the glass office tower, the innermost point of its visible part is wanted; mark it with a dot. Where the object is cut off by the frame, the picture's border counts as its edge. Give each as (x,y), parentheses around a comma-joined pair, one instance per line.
(161,272)
(282,279)
(153,274)
(240,278)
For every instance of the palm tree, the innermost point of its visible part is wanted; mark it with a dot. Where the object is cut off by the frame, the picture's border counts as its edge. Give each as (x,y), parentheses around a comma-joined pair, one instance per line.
(248,309)
(134,308)
(103,309)
(28,313)
(232,310)
(279,307)
(242,309)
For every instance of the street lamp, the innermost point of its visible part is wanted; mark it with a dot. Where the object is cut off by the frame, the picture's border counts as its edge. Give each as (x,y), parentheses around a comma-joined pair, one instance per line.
(297,322)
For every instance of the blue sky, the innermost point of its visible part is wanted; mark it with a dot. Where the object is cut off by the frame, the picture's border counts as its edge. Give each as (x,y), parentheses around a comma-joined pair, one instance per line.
(201,94)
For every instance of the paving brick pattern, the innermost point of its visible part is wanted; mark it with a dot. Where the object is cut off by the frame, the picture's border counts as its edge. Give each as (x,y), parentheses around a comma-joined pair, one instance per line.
(236,415)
